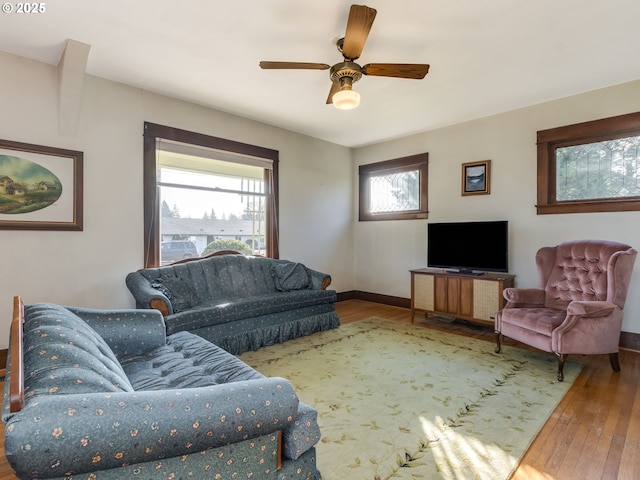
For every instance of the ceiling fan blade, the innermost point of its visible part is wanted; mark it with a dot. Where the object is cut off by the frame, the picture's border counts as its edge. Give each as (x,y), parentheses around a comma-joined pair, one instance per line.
(294,65)
(335,86)
(358,26)
(400,70)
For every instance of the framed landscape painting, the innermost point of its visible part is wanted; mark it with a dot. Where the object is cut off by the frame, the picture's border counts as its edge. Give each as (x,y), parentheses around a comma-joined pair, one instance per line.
(476,177)
(40,187)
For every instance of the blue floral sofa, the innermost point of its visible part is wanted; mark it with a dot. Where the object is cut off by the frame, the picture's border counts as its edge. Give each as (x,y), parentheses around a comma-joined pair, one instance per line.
(238,302)
(94,394)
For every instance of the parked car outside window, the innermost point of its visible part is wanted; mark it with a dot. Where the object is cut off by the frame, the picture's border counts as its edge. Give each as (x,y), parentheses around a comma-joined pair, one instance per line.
(177,250)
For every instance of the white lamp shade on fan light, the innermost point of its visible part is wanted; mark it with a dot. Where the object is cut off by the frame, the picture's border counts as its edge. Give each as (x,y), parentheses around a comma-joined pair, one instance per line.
(346,99)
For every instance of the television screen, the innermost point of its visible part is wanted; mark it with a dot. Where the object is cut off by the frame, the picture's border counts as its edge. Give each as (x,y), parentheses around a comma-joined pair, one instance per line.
(469,246)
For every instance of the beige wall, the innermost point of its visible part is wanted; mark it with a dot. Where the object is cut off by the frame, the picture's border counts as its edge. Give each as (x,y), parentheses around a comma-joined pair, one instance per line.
(318,191)
(386,250)
(88,268)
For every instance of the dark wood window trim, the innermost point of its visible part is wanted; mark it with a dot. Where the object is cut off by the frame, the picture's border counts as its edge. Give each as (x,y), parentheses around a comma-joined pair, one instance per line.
(152,132)
(588,132)
(413,162)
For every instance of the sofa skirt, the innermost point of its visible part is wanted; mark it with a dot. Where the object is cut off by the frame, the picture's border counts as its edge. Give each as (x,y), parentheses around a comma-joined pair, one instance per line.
(253,333)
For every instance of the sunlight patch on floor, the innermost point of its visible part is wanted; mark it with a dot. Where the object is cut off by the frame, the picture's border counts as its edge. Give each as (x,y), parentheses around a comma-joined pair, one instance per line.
(444,441)
(446,445)
(527,472)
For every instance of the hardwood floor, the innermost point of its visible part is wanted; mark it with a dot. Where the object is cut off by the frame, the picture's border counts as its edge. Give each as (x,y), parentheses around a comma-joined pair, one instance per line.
(594,433)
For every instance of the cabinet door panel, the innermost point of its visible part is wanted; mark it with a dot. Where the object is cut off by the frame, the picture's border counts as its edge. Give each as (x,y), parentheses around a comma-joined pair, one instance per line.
(453,295)
(440,300)
(466,297)
(423,292)
(487,299)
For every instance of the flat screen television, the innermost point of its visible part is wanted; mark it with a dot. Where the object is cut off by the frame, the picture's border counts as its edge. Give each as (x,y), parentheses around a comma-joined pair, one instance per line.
(468,247)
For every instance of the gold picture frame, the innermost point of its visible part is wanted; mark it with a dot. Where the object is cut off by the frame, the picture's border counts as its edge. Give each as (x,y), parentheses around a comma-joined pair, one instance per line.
(476,178)
(40,187)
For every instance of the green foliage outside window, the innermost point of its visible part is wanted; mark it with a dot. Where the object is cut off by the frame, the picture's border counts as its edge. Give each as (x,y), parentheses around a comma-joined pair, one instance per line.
(227,244)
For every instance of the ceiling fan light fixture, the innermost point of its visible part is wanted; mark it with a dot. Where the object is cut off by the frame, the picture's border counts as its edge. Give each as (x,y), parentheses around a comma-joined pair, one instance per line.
(346,99)
(344,74)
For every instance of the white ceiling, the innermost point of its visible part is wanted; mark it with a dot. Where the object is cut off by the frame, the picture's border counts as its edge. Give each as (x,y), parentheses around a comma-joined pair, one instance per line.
(486,56)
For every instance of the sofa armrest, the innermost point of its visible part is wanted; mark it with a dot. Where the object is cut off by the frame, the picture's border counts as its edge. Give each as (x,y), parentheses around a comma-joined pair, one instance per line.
(126,331)
(146,296)
(319,280)
(523,297)
(84,433)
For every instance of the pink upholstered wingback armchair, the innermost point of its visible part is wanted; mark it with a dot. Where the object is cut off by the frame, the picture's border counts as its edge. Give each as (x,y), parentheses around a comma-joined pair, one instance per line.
(578,307)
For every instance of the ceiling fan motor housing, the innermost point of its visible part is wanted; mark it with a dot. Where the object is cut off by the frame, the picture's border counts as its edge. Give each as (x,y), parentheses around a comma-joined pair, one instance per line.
(345,74)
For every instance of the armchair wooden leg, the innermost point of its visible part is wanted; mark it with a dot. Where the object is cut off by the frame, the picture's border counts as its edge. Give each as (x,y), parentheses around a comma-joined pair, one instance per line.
(498,346)
(561,359)
(615,361)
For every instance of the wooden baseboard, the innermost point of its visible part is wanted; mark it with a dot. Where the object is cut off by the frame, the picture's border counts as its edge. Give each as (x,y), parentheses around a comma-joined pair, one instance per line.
(630,340)
(376,298)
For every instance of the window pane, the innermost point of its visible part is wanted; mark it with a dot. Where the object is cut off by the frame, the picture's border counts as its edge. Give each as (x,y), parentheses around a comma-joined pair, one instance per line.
(213,212)
(599,170)
(396,192)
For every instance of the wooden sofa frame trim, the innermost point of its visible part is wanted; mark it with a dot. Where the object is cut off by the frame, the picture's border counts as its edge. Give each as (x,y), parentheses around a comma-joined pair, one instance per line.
(16,384)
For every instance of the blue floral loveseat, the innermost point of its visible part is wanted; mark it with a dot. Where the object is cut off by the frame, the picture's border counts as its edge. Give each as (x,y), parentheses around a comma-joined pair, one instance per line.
(238,302)
(94,394)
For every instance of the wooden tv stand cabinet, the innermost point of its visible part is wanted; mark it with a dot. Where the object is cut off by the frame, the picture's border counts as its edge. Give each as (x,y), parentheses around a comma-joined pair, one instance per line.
(471,297)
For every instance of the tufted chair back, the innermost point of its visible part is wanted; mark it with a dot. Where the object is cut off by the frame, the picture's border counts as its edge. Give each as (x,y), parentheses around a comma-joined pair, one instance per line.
(584,270)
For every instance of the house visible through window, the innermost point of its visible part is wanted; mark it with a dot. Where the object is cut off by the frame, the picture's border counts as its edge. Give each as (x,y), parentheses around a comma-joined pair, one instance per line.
(206,194)
(590,167)
(394,189)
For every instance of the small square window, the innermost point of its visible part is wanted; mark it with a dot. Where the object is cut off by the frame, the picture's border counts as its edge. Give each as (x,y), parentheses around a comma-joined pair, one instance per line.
(394,189)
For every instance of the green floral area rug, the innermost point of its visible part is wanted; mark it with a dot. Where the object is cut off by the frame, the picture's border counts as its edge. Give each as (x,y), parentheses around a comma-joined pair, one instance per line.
(398,401)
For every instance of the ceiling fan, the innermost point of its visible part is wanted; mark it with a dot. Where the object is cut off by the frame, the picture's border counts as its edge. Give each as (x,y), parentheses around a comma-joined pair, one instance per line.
(344,74)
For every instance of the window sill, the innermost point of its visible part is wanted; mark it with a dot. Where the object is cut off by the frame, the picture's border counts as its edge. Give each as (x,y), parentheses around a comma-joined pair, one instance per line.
(589,207)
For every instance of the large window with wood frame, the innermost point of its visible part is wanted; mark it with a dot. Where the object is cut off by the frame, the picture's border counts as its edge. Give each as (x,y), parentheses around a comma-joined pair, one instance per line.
(203,194)
(590,167)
